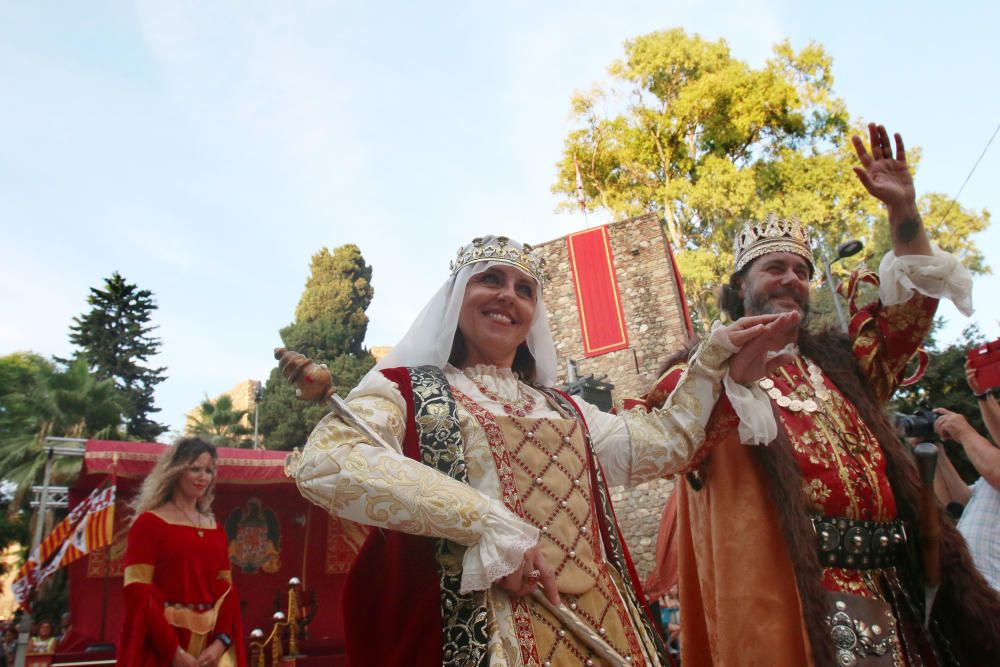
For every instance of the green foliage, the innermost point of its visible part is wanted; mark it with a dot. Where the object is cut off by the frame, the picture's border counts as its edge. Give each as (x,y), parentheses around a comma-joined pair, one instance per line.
(707,141)
(329,327)
(220,424)
(114,337)
(25,400)
(13,530)
(37,400)
(950,226)
(944,386)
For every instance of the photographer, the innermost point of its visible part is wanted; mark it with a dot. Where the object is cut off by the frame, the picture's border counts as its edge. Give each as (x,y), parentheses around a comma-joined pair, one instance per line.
(979,524)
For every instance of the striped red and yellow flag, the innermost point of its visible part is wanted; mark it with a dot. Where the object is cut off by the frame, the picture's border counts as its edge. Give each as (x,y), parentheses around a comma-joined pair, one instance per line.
(87,528)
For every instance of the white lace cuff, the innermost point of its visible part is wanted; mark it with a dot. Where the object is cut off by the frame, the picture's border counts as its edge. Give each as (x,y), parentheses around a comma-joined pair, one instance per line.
(940,275)
(499,551)
(753,407)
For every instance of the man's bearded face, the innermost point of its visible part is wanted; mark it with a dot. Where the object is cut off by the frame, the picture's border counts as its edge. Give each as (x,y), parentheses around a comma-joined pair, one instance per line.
(776,283)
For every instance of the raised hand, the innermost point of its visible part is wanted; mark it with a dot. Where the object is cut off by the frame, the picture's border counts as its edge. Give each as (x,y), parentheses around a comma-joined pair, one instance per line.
(970,377)
(886,178)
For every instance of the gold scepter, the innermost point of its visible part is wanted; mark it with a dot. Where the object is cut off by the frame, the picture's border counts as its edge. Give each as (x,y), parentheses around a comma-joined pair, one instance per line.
(314,383)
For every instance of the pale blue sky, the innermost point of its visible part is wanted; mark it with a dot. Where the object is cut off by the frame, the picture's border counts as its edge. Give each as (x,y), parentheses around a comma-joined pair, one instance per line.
(206,149)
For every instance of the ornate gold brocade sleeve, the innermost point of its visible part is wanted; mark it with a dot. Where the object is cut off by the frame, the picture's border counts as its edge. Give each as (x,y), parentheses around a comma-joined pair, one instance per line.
(638,446)
(342,472)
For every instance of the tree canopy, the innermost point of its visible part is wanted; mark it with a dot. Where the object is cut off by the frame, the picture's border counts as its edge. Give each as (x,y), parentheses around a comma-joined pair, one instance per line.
(115,338)
(329,327)
(707,142)
(944,386)
(39,399)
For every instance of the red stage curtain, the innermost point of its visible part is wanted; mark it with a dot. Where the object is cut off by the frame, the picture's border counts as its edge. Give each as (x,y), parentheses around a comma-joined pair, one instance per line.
(598,302)
(300,528)
(136,459)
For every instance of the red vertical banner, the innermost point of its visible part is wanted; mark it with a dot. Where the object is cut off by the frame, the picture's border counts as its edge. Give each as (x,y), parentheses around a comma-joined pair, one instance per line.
(598,302)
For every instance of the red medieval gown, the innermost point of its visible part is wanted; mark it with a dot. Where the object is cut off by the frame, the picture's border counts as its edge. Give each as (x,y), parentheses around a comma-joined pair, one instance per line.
(178,592)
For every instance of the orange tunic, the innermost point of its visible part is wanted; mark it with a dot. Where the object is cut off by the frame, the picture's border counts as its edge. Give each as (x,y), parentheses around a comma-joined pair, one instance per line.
(739,600)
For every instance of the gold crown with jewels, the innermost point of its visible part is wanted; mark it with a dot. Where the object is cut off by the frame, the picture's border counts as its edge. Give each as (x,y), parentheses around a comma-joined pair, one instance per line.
(772,235)
(500,249)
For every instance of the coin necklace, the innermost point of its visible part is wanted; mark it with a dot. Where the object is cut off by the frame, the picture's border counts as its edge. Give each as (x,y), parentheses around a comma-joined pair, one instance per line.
(197,519)
(518,407)
(795,404)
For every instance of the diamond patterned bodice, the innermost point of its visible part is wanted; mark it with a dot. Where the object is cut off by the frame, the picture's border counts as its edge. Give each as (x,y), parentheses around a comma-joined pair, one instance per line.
(550,471)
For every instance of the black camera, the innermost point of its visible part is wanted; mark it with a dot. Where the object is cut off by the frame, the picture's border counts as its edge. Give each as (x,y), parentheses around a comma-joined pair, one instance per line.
(918,425)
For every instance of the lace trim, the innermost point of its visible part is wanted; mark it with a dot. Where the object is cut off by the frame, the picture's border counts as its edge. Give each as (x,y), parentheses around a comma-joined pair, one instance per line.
(496,380)
(499,552)
(501,381)
(753,407)
(938,276)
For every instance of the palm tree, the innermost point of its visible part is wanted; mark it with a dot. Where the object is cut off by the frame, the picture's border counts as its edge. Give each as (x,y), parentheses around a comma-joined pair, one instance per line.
(38,400)
(218,422)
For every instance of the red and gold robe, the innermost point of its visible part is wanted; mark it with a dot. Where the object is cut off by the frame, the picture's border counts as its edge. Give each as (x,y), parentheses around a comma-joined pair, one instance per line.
(178,592)
(739,600)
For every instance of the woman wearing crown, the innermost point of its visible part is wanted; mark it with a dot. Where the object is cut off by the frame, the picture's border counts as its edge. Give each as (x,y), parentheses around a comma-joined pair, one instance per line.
(494,483)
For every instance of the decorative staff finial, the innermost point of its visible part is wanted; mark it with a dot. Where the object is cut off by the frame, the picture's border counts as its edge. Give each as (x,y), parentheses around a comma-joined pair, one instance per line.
(313,382)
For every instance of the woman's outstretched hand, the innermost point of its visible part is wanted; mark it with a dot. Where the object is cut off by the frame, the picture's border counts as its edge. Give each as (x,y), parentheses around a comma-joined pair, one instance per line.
(534,570)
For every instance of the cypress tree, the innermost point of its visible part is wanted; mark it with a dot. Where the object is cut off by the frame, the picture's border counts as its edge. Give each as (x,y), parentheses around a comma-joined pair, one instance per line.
(329,327)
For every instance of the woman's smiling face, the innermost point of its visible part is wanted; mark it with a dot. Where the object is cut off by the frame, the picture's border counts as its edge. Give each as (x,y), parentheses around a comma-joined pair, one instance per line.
(496,315)
(195,480)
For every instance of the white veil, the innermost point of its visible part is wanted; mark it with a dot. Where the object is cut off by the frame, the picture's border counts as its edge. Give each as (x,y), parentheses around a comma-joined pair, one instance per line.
(430,337)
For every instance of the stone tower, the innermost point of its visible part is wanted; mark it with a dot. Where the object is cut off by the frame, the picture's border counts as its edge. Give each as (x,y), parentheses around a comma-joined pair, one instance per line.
(655,326)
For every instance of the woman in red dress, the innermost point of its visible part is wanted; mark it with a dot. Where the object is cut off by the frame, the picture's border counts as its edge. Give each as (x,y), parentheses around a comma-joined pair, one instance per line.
(181,609)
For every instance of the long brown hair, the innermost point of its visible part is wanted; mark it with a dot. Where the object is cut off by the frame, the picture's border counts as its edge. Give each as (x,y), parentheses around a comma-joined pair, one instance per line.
(972,619)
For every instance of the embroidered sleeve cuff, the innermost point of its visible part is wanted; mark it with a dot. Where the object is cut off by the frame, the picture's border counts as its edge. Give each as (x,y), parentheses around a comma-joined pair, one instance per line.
(940,275)
(753,407)
(720,337)
(499,551)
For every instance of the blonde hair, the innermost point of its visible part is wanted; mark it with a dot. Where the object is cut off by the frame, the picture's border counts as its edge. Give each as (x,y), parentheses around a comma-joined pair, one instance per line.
(158,488)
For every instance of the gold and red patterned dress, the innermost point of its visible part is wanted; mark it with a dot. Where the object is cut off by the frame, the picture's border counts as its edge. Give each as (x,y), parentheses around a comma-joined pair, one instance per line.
(843,467)
(532,479)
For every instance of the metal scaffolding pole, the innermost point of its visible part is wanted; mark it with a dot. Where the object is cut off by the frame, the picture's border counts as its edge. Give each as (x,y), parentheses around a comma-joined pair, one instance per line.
(51,451)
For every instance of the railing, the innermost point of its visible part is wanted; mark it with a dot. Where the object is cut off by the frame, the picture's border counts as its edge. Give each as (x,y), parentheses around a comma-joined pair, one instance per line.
(261,647)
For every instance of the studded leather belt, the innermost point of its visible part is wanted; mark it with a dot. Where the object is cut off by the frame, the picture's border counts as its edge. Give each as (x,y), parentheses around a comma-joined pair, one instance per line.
(859,545)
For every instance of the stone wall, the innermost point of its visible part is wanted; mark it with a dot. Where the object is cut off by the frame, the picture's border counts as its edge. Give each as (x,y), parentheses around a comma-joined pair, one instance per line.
(656,329)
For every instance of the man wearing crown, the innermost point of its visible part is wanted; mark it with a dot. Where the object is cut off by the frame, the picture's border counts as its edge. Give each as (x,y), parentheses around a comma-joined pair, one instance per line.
(803,547)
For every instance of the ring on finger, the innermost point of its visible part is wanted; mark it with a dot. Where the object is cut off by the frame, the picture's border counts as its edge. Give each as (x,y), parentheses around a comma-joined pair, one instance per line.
(534,574)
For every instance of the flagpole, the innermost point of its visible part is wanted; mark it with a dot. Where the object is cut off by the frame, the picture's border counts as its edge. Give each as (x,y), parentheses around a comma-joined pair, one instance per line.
(109,549)
(51,451)
(24,629)
(579,193)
